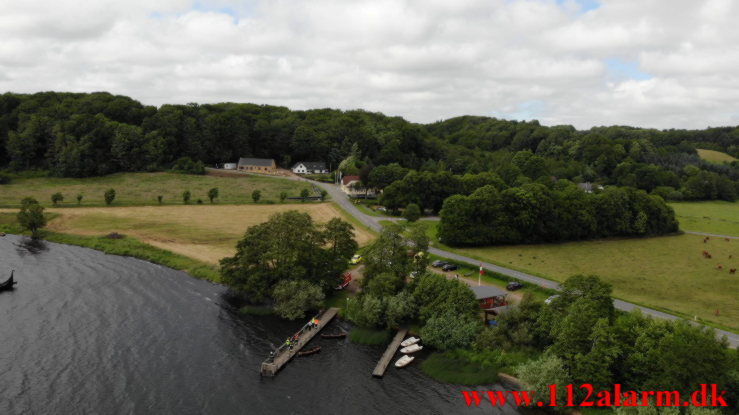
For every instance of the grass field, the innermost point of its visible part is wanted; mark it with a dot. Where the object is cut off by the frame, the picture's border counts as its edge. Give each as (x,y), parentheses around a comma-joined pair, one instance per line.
(715,156)
(143,188)
(717,217)
(206,233)
(667,273)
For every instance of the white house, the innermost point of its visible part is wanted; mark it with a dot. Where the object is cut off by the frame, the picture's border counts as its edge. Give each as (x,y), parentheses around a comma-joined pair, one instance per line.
(229,166)
(309,167)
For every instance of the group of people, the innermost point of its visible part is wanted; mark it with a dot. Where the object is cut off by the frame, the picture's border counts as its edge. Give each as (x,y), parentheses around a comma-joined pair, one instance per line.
(291,341)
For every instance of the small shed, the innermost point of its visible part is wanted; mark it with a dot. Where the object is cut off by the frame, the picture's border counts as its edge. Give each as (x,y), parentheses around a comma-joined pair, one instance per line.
(489,297)
(229,166)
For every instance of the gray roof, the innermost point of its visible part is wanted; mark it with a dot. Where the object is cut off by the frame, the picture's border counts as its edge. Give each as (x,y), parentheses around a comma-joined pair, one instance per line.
(312,165)
(486,291)
(256,162)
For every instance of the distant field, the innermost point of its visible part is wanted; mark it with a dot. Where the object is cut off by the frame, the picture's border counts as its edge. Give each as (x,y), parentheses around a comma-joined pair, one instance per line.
(207,233)
(143,189)
(715,156)
(665,272)
(717,217)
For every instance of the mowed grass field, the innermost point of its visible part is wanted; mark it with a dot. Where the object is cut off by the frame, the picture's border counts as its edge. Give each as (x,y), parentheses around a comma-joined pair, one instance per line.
(204,232)
(717,217)
(715,156)
(143,188)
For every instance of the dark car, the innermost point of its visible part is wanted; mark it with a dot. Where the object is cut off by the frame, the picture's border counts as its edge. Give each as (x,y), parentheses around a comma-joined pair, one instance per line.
(513,286)
(449,267)
(438,264)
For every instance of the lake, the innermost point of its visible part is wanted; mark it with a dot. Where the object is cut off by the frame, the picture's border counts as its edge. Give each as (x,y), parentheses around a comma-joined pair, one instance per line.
(90,333)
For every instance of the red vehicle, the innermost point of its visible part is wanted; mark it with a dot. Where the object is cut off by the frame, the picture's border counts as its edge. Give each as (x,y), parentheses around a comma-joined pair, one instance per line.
(347,278)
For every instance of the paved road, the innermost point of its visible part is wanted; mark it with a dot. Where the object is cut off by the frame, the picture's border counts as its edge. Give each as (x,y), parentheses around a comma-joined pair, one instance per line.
(373,222)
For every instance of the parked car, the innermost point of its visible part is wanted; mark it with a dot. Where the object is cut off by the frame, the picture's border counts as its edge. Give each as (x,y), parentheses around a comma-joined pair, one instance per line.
(449,267)
(356,259)
(550,299)
(438,264)
(513,286)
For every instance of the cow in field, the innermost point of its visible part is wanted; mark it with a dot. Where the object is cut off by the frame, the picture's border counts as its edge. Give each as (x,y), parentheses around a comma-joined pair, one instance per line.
(732,271)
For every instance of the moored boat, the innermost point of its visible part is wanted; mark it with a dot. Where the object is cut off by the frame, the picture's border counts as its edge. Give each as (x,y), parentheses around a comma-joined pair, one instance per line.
(411,349)
(404,361)
(307,352)
(9,283)
(409,341)
(338,335)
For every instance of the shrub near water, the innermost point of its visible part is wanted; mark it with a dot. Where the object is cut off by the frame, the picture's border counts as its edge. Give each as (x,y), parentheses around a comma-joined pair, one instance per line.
(466,367)
(363,335)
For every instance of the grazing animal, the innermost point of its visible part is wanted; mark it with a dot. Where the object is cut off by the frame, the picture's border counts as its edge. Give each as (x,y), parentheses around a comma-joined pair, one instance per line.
(706,255)
(732,271)
(727,239)
(719,266)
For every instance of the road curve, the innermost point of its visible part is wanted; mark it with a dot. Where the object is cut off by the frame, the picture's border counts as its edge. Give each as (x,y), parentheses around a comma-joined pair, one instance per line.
(373,223)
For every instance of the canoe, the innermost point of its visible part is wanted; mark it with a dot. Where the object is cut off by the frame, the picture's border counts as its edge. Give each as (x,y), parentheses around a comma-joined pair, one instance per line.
(409,341)
(411,349)
(312,350)
(339,335)
(9,283)
(404,361)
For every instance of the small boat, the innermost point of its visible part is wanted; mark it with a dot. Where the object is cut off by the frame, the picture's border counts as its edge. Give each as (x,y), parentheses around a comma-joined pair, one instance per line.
(312,350)
(9,283)
(409,341)
(411,349)
(339,335)
(404,361)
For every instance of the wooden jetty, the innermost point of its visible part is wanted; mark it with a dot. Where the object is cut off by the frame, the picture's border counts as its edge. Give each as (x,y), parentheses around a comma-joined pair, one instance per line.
(387,357)
(271,366)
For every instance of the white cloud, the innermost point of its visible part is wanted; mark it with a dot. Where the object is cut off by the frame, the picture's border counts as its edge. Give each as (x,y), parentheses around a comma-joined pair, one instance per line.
(424,60)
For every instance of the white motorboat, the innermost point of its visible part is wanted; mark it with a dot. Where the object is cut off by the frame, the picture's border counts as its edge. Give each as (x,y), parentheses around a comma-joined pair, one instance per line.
(409,341)
(411,349)
(404,361)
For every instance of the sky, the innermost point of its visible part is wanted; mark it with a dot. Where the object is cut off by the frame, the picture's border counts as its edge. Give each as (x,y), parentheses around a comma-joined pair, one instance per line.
(646,63)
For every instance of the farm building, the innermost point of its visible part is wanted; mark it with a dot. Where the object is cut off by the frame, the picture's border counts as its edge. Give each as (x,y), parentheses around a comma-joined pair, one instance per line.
(257,165)
(309,167)
(229,166)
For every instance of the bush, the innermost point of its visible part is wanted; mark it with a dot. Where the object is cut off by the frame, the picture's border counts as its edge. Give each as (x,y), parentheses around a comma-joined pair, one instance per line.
(186,196)
(56,198)
(109,196)
(412,212)
(188,166)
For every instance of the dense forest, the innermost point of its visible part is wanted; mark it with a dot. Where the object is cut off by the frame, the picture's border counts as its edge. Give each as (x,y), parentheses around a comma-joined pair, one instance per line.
(79,135)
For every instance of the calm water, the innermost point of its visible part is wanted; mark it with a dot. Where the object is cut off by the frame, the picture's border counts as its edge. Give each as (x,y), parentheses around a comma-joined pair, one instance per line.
(90,333)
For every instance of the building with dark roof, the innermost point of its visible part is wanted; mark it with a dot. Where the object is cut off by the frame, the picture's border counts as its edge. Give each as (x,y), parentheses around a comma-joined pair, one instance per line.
(257,165)
(309,167)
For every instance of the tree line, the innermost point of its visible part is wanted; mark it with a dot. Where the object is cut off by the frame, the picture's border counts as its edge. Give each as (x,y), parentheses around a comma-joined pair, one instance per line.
(534,213)
(79,135)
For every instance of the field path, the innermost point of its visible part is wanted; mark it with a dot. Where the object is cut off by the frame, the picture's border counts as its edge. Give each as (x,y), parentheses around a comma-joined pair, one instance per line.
(373,222)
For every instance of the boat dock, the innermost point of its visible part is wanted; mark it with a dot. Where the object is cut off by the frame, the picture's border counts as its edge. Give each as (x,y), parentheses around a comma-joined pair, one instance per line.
(387,357)
(271,366)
